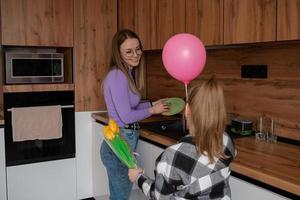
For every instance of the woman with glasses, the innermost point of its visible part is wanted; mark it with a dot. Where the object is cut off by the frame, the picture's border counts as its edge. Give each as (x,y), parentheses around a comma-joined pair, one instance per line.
(122,86)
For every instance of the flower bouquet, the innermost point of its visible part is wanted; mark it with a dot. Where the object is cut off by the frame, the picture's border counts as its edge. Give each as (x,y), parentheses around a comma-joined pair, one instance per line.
(118,145)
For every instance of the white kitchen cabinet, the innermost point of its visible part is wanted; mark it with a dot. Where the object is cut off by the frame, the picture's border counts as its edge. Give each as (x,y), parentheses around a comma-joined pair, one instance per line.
(2,166)
(83,127)
(44,180)
(100,179)
(147,156)
(244,190)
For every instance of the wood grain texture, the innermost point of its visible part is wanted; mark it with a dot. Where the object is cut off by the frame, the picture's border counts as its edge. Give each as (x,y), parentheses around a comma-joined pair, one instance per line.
(278,96)
(145,21)
(154,21)
(37,88)
(37,22)
(205,20)
(249,21)
(126,14)
(95,25)
(288,20)
(141,17)
(170,19)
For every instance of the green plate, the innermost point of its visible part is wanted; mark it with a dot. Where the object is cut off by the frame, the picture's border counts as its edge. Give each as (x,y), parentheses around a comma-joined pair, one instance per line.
(176,105)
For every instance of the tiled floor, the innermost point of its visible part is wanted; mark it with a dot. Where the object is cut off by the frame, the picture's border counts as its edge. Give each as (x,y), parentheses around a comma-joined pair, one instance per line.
(135,195)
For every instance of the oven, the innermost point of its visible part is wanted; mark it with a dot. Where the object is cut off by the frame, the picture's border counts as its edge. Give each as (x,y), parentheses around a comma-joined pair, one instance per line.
(32,151)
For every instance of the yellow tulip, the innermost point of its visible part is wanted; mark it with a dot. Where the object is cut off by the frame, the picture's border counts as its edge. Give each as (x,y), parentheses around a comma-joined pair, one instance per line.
(108,133)
(113,126)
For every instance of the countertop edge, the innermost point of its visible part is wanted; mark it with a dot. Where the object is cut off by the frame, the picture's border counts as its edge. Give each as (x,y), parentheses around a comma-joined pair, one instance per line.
(265,178)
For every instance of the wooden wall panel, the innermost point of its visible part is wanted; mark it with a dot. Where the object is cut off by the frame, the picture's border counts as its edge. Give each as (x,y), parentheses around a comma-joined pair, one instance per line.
(288,20)
(205,20)
(95,25)
(249,21)
(37,22)
(278,96)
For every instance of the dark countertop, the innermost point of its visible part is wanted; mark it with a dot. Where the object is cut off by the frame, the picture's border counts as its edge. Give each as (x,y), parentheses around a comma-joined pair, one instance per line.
(277,164)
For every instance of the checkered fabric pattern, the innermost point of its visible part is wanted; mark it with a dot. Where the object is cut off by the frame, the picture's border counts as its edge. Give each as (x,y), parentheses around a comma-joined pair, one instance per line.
(182,174)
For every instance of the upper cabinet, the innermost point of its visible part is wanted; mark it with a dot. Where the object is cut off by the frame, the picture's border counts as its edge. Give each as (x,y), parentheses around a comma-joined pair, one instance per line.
(37,23)
(288,20)
(249,21)
(205,20)
(154,21)
(94,27)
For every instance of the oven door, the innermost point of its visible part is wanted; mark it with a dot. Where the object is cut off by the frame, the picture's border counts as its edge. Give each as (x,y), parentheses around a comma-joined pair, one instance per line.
(32,151)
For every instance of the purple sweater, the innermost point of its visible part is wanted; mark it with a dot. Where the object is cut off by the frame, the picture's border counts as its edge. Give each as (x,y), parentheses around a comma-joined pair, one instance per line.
(123,105)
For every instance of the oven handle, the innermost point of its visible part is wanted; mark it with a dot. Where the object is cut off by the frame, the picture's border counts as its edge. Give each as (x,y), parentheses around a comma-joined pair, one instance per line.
(64,106)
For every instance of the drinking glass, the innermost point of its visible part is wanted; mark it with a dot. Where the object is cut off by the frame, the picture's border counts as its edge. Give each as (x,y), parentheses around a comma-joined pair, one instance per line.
(260,134)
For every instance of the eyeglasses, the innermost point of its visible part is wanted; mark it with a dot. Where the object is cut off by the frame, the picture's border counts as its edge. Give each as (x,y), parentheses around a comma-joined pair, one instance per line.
(130,52)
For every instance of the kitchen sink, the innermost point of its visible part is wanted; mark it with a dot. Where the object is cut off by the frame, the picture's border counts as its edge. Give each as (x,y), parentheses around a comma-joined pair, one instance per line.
(170,128)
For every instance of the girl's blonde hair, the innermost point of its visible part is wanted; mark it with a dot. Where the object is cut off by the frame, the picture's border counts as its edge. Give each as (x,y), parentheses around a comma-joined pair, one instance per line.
(118,62)
(208,118)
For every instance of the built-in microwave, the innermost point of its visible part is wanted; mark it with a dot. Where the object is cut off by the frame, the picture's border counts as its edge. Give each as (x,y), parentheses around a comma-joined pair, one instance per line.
(39,66)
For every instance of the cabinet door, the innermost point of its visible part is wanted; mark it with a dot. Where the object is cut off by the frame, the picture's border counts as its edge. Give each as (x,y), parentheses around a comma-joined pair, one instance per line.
(247,191)
(171,20)
(44,180)
(154,21)
(99,175)
(148,154)
(249,21)
(205,20)
(2,166)
(288,20)
(37,22)
(95,24)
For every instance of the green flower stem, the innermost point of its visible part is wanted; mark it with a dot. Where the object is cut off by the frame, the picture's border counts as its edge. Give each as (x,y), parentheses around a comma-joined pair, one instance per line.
(122,150)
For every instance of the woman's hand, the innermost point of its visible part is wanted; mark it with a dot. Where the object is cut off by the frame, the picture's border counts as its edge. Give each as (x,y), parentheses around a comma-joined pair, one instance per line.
(159,100)
(133,174)
(159,106)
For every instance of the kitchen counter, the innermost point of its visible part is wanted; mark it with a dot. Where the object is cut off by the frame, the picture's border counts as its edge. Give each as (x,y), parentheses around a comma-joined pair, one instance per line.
(277,164)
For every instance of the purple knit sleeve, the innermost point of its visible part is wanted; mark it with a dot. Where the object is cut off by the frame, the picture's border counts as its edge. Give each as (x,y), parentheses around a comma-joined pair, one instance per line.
(143,105)
(121,95)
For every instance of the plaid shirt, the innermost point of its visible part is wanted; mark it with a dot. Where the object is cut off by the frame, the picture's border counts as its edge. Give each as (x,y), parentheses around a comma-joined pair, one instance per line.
(182,174)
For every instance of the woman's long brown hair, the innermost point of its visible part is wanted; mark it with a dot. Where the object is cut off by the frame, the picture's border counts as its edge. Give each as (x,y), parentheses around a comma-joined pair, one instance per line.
(118,62)
(208,118)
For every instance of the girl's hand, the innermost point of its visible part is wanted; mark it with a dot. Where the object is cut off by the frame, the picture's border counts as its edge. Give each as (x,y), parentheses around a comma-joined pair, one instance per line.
(133,174)
(159,100)
(159,107)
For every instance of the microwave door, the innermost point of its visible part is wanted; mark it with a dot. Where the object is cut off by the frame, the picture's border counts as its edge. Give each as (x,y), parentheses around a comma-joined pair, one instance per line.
(34,69)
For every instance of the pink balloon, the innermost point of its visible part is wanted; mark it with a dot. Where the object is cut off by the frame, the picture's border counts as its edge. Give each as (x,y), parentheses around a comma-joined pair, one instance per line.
(184,57)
